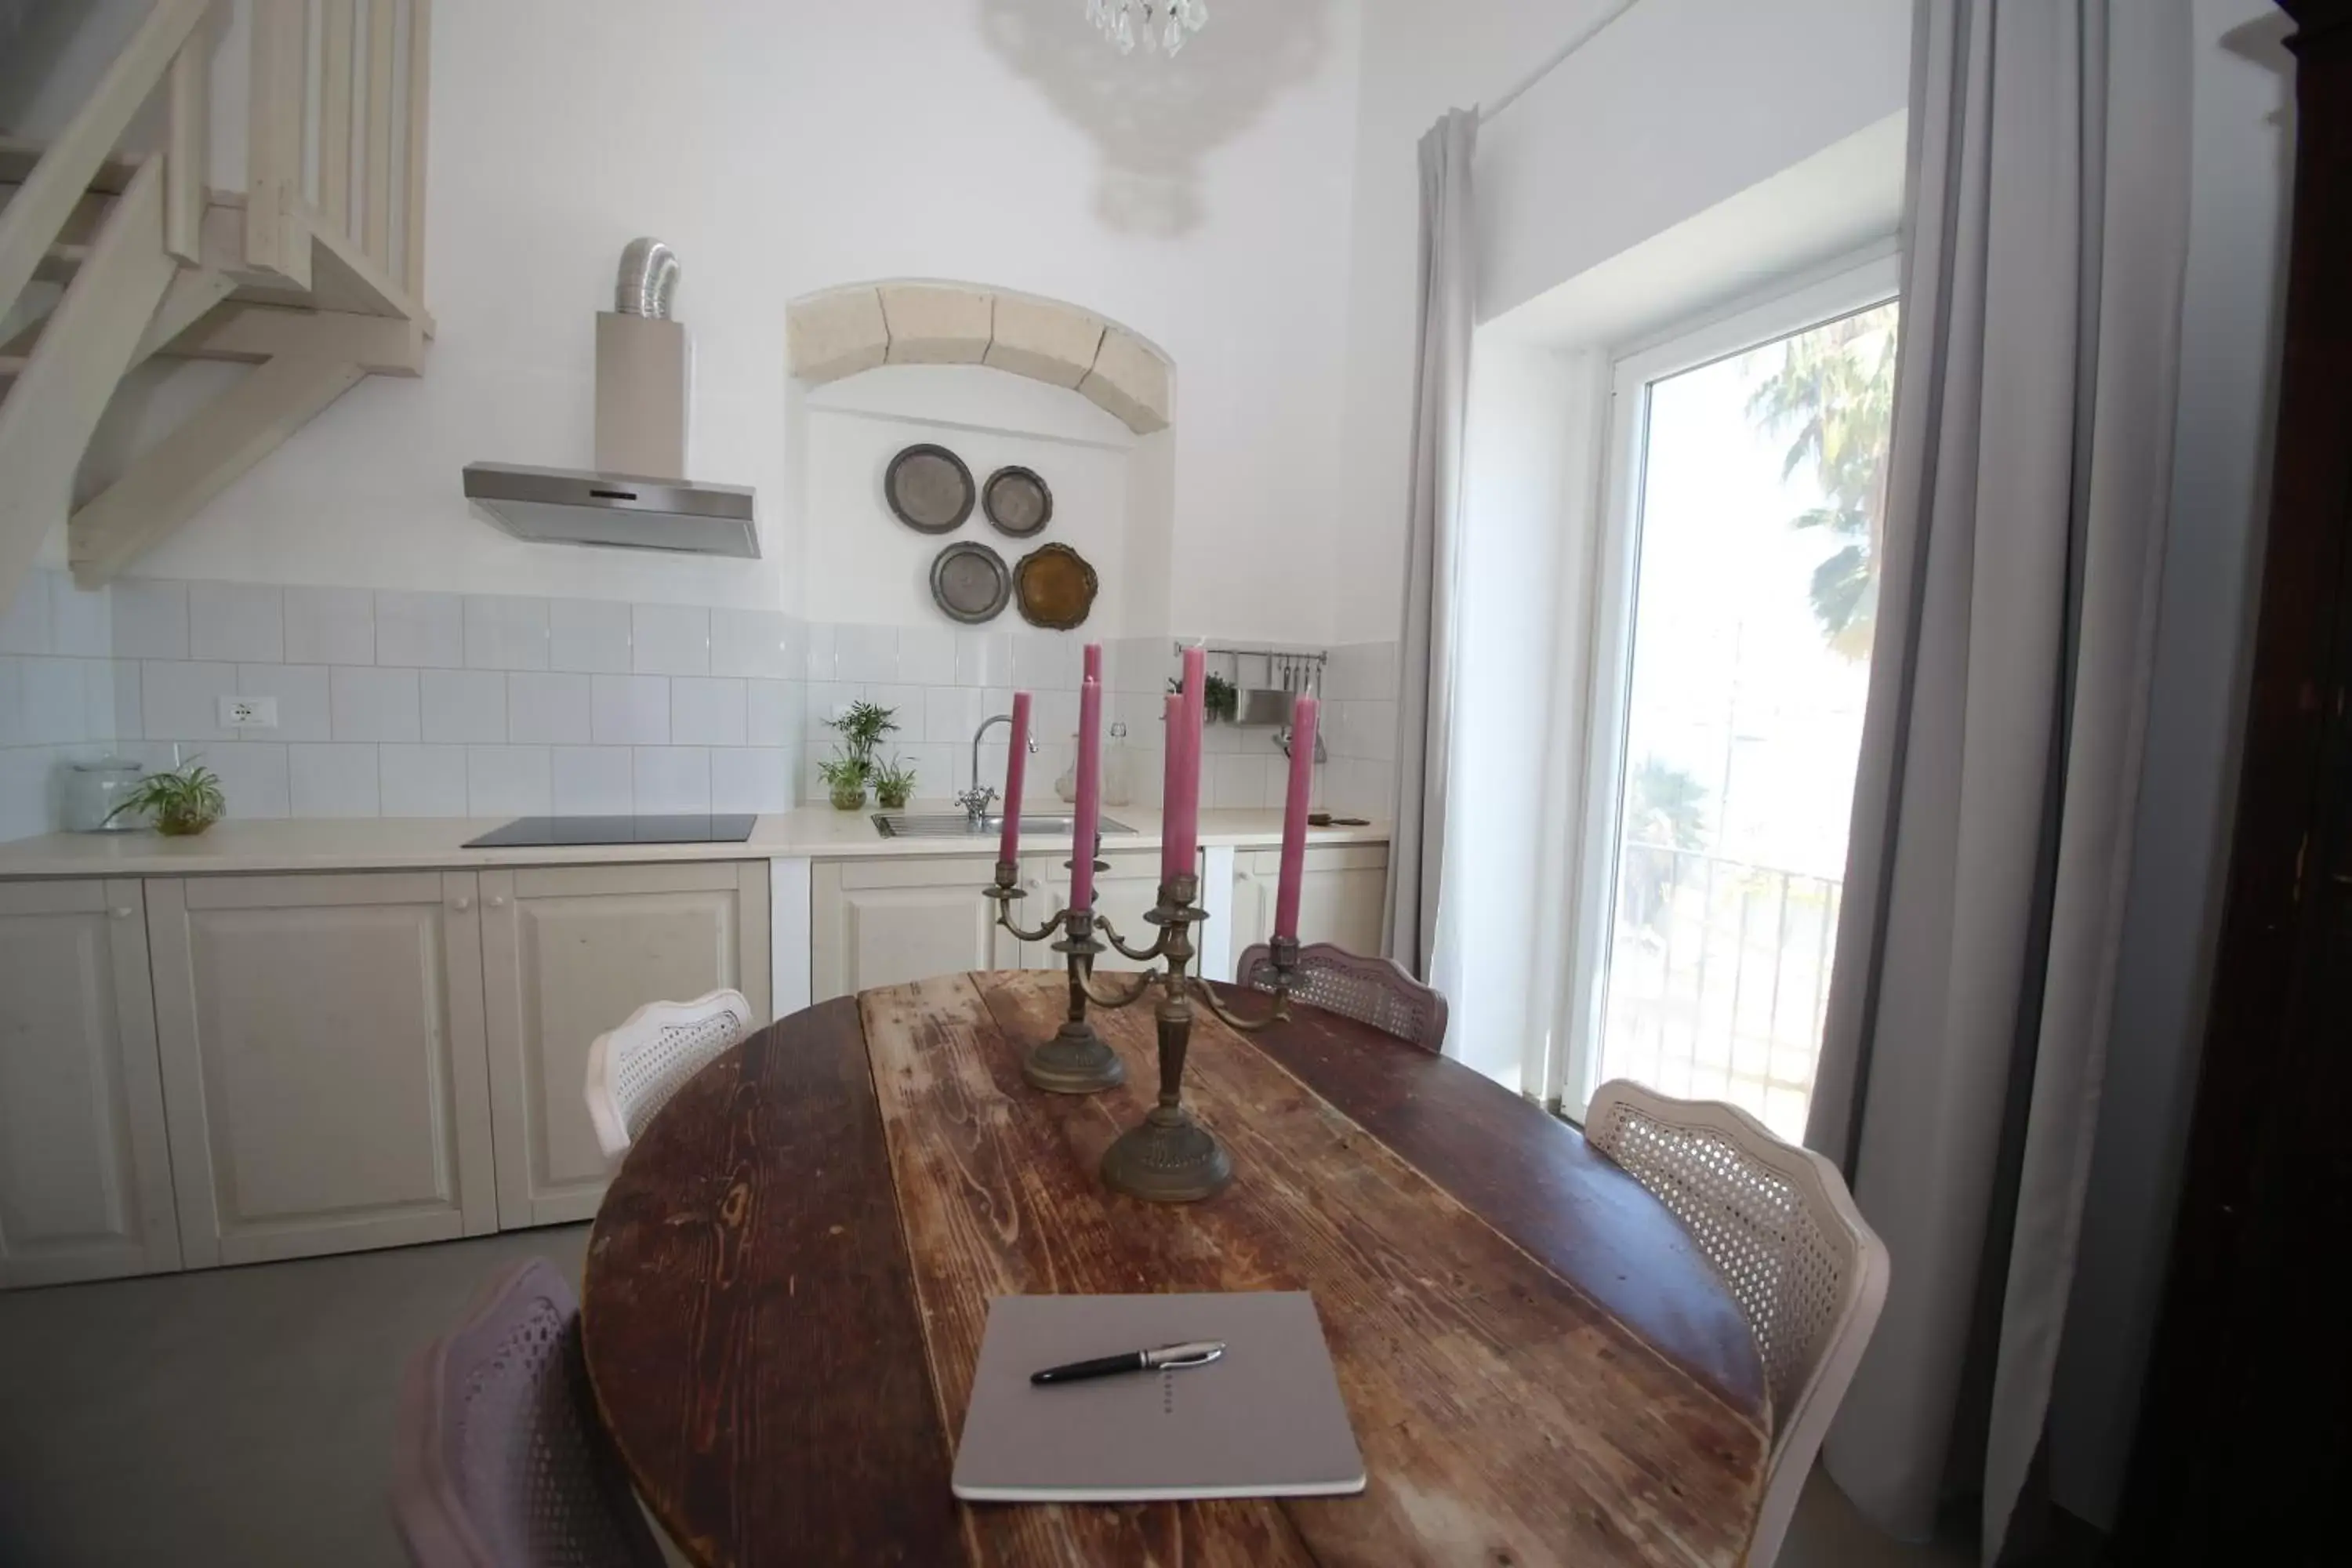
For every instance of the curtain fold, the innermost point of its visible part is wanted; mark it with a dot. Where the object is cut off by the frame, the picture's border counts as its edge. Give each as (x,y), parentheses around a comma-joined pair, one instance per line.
(2029,463)
(1428,660)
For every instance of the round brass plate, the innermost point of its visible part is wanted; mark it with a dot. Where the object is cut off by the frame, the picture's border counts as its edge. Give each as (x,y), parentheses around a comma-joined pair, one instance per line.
(1056,587)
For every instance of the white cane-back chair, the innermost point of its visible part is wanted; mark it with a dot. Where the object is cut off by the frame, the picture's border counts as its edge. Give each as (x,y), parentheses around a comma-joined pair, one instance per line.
(1375,991)
(633,1071)
(1780,1225)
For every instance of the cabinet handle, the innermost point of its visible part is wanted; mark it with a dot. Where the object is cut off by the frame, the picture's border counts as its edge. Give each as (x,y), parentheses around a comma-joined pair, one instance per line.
(120,914)
(497,900)
(461,902)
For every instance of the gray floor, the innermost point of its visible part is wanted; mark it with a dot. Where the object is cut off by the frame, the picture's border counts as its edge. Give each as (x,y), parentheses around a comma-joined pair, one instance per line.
(243,1415)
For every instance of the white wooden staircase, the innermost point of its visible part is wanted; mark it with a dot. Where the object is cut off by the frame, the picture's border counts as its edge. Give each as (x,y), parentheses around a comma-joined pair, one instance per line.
(313,274)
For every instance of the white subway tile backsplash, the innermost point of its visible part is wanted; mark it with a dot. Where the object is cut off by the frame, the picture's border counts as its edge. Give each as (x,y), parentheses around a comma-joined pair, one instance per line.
(129,721)
(670,640)
(329,625)
(629,709)
(253,775)
(423,630)
(422,781)
(950,713)
(508,781)
(81,622)
(671,779)
(1232,779)
(927,655)
(239,622)
(826,699)
(707,711)
(822,662)
(24,621)
(983,659)
(55,701)
(464,705)
(772,710)
(373,704)
(1044,662)
(505,632)
(593,781)
(181,701)
(340,779)
(305,711)
(751,778)
(866,655)
(151,619)
(589,635)
(752,642)
(549,707)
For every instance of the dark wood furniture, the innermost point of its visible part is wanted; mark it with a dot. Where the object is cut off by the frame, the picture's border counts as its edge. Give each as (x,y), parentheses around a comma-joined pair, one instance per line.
(787,1282)
(2244,1446)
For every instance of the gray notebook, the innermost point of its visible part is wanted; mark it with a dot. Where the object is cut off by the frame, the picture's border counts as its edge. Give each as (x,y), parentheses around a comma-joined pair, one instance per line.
(1265,1420)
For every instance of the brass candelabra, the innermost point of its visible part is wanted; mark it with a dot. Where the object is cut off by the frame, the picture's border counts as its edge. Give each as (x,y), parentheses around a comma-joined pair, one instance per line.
(1169,1157)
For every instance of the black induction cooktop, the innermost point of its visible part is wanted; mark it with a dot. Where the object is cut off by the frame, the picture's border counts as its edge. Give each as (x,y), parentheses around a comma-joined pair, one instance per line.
(525,832)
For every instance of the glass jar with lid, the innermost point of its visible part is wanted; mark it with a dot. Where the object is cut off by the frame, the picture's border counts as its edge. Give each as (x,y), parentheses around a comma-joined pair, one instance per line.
(95,792)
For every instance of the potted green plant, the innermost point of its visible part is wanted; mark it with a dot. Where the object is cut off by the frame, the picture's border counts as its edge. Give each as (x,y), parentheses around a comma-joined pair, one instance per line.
(844,782)
(893,782)
(1219,702)
(182,801)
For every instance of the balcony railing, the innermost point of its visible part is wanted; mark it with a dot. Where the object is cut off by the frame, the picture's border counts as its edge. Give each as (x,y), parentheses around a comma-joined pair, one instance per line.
(1718,980)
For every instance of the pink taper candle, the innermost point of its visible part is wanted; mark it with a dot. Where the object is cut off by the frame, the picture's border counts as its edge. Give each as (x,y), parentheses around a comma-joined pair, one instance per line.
(1093,670)
(1294,818)
(1181,834)
(1172,789)
(1016,766)
(1088,813)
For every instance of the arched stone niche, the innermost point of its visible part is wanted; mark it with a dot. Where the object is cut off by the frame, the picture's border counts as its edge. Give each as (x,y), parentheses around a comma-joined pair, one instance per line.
(840,332)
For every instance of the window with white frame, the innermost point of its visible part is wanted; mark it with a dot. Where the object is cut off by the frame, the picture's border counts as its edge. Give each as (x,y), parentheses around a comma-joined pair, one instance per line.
(1737,593)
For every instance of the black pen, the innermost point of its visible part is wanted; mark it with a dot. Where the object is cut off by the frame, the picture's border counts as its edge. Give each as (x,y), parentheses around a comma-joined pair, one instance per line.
(1196,1353)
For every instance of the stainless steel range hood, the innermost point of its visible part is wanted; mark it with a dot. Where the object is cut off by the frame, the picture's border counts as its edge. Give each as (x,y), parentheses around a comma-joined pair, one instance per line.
(633,499)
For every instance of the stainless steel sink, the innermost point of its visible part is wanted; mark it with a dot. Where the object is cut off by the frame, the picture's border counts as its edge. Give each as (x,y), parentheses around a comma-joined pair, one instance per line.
(956,825)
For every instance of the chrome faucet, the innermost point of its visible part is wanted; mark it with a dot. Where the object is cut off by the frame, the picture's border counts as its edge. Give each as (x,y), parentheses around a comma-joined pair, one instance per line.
(975,800)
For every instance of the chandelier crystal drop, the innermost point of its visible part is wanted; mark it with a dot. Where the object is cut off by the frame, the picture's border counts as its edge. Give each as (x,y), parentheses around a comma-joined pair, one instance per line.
(1160,24)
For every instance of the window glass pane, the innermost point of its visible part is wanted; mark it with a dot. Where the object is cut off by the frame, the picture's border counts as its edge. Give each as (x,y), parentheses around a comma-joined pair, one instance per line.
(1755,597)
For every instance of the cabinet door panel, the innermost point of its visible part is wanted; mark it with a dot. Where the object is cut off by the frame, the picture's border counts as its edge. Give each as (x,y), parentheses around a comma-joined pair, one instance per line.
(887,922)
(323,1054)
(85,1175)
(569,954)
(1341,889)
(1124,894)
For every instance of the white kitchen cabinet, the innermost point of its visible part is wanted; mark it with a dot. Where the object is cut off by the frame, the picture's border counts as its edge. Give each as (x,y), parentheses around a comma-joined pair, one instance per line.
(85,1164)
(325,1073)
(567,953)
(1340,896)
(1124,894)
(884,922)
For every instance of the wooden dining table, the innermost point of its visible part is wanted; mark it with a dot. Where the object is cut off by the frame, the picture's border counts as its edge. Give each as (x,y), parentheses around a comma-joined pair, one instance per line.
(788,1281)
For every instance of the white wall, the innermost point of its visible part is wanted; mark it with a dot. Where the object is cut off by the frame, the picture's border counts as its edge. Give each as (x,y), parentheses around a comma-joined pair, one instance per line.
(1668,111)
(2243,118)
(785,145)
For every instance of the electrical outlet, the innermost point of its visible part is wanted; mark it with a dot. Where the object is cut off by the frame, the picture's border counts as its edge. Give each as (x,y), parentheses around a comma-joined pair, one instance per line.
(249,712)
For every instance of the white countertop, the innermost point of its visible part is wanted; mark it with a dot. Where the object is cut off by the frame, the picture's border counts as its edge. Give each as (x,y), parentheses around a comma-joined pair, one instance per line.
(815,832)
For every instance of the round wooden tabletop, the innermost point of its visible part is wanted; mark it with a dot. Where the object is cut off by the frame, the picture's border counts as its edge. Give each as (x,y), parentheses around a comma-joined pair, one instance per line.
(787,1281)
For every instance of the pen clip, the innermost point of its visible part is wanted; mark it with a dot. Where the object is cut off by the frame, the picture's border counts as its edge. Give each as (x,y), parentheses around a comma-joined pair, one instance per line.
(1200,1357)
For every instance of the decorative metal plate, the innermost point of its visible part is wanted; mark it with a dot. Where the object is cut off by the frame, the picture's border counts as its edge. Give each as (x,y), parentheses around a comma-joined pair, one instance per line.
(969,581)
(929,489)
(1017,501)
(1055,586)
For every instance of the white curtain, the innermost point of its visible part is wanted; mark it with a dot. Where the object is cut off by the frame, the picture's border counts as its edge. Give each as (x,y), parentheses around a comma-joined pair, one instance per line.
(2046,234)
(1428,658)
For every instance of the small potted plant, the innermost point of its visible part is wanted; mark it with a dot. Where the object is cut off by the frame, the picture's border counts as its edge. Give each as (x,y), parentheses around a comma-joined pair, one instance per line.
(182,801)
(844,782)
(1219,702)
(893,782)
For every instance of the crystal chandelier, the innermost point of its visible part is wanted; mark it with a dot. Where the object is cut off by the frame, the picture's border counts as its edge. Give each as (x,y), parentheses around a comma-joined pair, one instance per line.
(1163,24)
